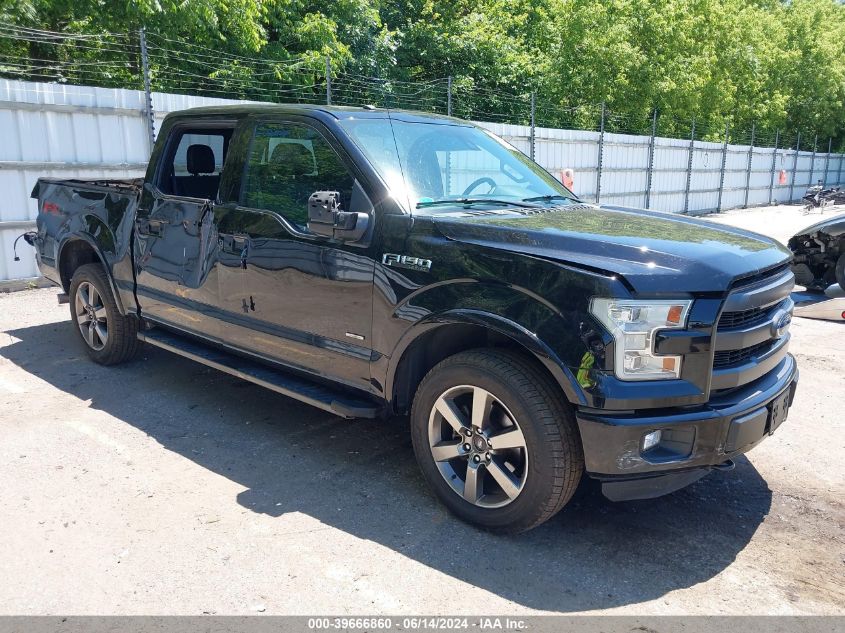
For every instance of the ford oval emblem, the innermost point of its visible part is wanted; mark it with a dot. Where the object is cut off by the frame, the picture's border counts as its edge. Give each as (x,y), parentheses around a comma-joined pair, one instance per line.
(780,323)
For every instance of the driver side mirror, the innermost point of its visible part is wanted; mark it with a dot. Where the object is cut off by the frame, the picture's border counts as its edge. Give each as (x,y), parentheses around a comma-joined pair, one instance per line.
(326,218)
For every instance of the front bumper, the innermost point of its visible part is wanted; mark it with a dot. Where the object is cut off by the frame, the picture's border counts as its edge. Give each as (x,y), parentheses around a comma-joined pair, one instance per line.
(694,440)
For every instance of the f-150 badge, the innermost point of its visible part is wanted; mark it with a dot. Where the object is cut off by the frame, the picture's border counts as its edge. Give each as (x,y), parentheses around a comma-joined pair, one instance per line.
(406,261)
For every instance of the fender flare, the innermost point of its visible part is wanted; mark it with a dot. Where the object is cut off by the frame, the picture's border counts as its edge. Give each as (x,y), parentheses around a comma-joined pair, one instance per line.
(82,236)
(500,325)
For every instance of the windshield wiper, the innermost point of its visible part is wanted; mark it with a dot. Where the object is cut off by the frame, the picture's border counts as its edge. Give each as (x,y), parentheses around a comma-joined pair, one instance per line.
(469,201)
(550,197)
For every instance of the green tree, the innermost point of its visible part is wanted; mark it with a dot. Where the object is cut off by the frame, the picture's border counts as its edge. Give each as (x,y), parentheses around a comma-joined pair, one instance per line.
(776,64)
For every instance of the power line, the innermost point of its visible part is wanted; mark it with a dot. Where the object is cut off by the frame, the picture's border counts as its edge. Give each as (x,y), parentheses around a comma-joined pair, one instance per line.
(113,60)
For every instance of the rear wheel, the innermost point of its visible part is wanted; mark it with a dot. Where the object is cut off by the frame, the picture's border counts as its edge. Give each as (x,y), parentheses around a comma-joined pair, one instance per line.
(109,337)
(496,440)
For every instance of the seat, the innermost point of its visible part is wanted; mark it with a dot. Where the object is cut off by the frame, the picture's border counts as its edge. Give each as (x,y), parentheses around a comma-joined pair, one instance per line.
(202,183)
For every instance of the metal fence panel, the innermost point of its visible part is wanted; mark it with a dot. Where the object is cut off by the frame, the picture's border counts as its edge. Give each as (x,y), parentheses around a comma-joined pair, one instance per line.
(760,177)
(671,157)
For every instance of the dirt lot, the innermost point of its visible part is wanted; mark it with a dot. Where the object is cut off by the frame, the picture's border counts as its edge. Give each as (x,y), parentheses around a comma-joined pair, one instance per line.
(165,487)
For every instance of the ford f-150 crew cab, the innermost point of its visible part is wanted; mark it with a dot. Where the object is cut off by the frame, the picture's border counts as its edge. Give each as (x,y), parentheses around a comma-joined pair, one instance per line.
(383,263)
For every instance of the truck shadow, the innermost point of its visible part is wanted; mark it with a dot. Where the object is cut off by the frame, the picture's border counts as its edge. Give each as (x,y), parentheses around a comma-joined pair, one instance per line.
(360,477)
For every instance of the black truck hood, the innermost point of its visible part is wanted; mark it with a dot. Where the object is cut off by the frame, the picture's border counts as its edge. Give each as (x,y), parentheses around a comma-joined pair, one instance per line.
(656,253)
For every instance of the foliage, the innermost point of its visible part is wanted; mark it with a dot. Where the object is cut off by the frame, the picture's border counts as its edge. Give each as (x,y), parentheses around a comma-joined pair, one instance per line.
(779,64)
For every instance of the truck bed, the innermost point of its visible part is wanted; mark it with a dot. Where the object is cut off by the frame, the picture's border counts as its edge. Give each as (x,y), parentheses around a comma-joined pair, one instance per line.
(123,185)
(87,220)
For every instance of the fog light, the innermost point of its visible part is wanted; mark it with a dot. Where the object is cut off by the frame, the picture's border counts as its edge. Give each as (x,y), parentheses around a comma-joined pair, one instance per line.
(650,440)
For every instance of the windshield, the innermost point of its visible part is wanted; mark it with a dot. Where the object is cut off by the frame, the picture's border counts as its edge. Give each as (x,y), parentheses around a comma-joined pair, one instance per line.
(437,167)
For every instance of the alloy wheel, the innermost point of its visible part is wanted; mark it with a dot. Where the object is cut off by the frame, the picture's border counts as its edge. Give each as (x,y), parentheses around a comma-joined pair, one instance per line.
(91,316)
(478,446)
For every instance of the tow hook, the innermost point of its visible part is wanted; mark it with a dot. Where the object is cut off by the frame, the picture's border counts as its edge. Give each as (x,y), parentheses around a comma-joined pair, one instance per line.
(725,466)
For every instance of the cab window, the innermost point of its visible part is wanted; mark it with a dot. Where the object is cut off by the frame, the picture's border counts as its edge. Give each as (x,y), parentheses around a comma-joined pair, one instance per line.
(194,162)
(286,163)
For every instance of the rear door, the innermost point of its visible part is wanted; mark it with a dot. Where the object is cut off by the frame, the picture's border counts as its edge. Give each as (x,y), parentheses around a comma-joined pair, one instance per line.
(176,240)
(288,294)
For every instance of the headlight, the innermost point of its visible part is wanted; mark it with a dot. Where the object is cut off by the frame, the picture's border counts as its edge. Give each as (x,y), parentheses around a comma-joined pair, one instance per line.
(633,325)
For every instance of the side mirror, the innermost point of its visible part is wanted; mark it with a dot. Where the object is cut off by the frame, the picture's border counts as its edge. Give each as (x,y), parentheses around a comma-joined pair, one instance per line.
(327,219)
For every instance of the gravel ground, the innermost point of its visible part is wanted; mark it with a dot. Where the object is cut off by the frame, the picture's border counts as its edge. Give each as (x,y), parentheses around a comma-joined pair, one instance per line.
(164,487)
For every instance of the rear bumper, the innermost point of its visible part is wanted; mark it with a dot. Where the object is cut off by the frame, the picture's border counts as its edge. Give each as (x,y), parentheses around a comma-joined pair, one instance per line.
(694,440)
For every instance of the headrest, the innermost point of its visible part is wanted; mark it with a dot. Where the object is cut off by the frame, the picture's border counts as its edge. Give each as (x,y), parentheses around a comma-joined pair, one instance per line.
(294,159)
(200,159)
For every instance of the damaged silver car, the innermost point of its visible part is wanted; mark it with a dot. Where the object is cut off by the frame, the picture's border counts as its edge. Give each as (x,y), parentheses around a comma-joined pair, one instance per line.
(819,254)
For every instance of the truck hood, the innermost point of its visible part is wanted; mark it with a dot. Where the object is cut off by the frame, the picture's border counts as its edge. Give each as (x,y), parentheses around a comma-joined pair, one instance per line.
(654,252)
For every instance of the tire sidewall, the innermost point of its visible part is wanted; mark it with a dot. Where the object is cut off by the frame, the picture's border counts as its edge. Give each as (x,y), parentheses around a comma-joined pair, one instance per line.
(538,487)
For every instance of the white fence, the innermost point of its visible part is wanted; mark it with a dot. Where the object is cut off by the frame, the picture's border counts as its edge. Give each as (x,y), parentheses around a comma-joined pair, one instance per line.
(82,132)
(685,177)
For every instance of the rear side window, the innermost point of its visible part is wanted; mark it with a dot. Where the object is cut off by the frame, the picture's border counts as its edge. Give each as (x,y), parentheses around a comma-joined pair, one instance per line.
(194,162)
(213,141)
(287,162)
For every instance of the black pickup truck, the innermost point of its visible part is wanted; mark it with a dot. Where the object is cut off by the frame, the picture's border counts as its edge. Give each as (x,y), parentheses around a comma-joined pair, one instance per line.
(384,263)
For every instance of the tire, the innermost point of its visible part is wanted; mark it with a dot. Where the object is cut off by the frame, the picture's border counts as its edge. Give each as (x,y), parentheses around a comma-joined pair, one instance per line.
(840,270)
(540,475)
(113,338)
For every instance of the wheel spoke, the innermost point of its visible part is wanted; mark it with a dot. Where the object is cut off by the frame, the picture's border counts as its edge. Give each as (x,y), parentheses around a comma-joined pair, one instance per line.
(89,333)
(100,312)
(512,438)
(450,413)
(83,293)
(472,484)
(93,297)
(482,403)
(504,479)
(102,333)
(444,451)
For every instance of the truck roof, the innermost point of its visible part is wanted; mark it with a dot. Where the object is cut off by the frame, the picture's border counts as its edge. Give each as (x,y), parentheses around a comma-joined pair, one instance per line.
(337,112)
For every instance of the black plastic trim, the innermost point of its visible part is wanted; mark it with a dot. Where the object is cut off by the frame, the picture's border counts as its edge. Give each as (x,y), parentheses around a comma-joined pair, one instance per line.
(737,375)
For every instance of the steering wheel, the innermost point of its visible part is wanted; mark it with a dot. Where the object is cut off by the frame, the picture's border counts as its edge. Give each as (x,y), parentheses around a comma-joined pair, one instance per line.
(480,181)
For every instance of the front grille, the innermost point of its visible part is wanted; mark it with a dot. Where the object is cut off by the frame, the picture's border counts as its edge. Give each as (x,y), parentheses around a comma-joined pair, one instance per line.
(771,273)
(729,358)
(745,344)
(741,318)
(744,318)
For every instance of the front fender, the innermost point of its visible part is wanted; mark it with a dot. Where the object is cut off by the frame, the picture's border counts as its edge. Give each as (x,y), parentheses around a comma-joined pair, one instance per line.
(519,334)
(552,335)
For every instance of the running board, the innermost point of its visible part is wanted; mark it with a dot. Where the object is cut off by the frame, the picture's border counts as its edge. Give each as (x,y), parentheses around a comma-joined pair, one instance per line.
(284,383)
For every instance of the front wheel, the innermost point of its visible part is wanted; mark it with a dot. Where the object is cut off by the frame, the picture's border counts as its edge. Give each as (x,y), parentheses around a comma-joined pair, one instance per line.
(109,337)
(496,440)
